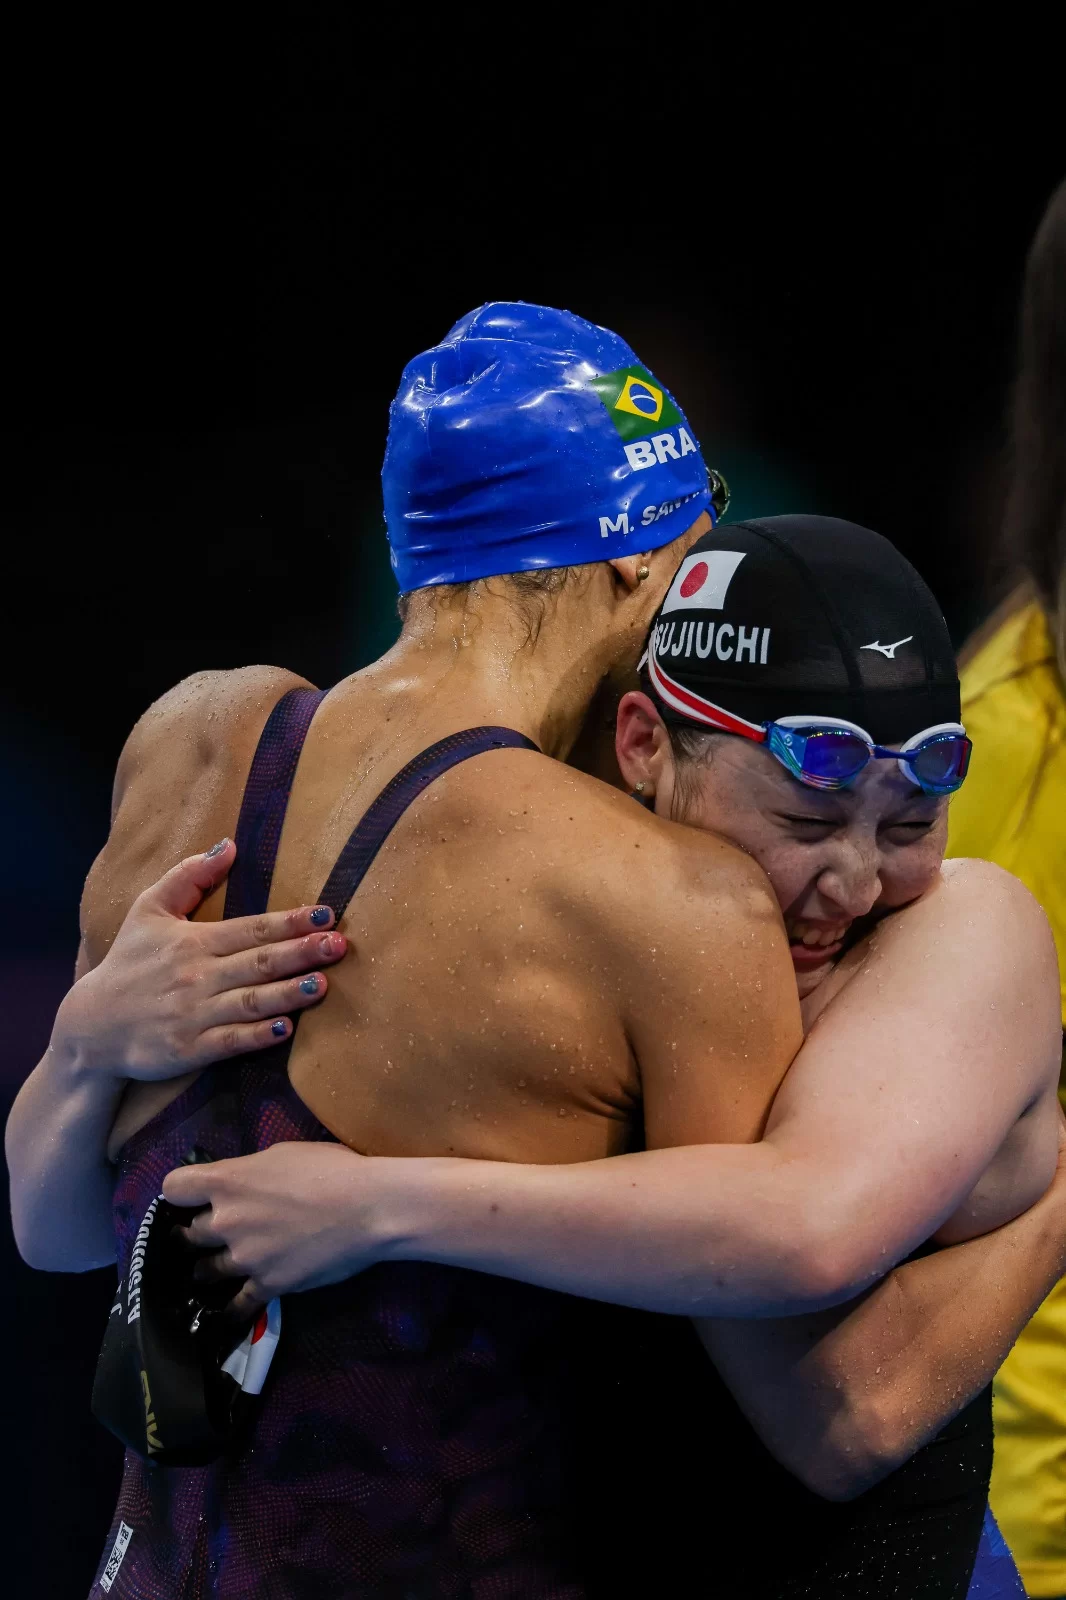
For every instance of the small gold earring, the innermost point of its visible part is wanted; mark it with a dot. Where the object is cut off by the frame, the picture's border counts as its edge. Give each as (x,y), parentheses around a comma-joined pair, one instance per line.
(642,573)
(639,788)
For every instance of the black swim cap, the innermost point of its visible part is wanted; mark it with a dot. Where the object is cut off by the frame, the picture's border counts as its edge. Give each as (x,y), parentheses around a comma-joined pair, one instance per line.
(794,616)
(172,1382)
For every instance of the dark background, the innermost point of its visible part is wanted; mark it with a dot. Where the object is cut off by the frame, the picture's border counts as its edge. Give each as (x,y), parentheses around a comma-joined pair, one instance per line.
(226,237)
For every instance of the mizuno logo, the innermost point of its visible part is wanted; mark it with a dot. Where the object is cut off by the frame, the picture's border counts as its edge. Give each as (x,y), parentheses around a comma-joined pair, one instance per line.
(887,650)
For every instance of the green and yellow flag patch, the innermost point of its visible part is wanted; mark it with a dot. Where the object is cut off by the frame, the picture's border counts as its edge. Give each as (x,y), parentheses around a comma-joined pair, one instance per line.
(635,403)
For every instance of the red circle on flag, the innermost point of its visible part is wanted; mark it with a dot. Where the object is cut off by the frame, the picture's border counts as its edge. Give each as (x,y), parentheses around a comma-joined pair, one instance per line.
(696,578)
(260,1327)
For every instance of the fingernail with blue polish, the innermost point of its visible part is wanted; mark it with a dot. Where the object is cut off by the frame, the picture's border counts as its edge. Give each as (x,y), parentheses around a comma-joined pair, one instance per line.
(320,916)
(216,849)
(309,985)
(279,1029)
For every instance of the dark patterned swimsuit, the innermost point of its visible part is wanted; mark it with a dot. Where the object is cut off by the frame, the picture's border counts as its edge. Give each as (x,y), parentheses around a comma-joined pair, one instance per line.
(408,1442)
(426,1431)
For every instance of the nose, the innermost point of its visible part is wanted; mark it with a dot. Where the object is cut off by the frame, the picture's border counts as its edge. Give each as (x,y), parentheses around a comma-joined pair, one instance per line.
(851,880)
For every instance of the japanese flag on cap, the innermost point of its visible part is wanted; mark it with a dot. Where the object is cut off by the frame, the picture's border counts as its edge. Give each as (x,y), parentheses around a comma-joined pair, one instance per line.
(702,581)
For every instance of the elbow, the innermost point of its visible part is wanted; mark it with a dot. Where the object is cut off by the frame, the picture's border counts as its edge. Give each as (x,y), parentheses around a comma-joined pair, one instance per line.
(43,1256)
(45,1251)
(825,1267)
(841,1475)
(35,1247)
(865,1442)
(27,1242)
(31,1241)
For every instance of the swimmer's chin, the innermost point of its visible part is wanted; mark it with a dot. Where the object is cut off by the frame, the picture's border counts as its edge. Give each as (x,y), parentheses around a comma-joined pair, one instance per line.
(808,978)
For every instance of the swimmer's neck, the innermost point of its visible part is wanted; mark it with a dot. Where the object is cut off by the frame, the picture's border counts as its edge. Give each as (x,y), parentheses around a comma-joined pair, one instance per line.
(495,659)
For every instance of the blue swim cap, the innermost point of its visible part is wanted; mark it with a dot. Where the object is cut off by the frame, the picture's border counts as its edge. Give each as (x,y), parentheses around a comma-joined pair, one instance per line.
(531,438)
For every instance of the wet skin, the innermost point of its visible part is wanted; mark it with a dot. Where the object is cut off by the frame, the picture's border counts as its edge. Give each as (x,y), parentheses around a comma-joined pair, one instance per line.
(905,1093)
(568,950)
(840,862)
(834,858)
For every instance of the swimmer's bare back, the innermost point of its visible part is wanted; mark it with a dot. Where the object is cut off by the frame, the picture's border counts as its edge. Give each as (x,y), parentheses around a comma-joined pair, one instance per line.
(533,955)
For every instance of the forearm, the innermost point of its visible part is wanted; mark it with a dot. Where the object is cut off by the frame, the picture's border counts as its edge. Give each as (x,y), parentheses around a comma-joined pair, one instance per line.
(859,1164)
(61,1180)
(733,1230)
(844,1397)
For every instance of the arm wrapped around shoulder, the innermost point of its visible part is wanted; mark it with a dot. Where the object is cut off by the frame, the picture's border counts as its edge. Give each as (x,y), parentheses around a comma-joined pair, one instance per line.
(844,1397)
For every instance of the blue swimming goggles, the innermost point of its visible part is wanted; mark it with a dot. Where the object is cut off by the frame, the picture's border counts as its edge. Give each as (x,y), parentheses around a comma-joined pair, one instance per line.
(826,752)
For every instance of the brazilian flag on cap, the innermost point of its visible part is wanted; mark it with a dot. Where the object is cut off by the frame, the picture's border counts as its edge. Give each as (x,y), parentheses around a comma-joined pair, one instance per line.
(635,403)
(529,439)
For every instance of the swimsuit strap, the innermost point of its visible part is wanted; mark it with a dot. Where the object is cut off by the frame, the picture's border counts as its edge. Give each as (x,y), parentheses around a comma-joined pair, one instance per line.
(266,796)
(378,822)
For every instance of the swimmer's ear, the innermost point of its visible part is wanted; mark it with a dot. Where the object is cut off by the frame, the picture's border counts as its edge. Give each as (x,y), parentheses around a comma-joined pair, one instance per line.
(629,569)
(642,744)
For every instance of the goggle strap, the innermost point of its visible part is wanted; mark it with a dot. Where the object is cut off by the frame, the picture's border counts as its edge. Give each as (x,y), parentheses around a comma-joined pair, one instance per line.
(696,709)
(693,706)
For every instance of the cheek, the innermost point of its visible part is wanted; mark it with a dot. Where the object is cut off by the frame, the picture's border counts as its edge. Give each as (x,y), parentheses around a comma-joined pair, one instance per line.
(908,873)
(789,867)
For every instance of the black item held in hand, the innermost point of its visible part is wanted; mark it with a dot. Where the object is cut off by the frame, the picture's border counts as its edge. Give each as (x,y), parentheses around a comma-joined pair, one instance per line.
(160,1384)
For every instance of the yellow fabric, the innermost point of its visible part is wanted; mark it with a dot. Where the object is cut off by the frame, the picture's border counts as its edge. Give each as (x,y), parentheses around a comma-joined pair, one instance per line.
(1029,1465)
(1012,810)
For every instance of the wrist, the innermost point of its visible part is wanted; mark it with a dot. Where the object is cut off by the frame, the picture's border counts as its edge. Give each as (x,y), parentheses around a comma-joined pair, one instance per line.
(412,1206)
(74,1046)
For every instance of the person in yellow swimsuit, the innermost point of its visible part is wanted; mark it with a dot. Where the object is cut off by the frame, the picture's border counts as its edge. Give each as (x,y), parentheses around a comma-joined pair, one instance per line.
(1012,811)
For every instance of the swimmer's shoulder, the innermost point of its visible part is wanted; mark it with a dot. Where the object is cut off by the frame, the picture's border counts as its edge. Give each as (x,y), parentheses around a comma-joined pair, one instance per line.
(178,786)
(597,850)
(985,889)
(688,935)
(985,939)
(698,891)
(998,935)
(970,900)
(206,718)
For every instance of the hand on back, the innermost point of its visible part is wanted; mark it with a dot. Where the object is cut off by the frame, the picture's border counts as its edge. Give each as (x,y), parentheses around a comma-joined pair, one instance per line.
(173,995)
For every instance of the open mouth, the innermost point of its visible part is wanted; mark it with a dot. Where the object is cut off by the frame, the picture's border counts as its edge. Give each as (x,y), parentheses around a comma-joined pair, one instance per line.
(812,943)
